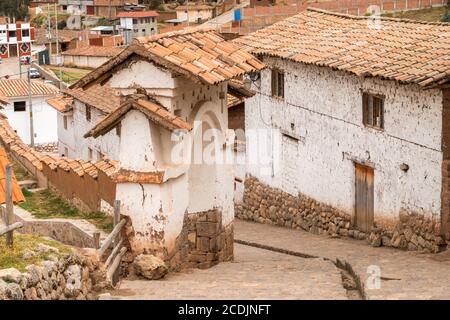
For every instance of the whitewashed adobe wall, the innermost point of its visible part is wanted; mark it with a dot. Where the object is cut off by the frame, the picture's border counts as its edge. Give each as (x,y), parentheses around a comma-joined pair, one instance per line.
(78,146)
(325,108)
(44,124)
(83,61)
(162,208)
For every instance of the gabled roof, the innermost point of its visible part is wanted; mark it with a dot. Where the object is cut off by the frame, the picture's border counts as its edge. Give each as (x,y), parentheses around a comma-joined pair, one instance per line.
(403,50)
(19,88)
(3,100)
(137,14)
(151,109)
(102,97)
(12,142)
(93,51)
(200,55)
(61,103)
(16,191)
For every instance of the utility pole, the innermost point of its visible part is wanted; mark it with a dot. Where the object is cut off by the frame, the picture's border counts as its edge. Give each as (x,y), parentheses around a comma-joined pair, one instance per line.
(49,33)
(187,12)
(57,39)
(20,65)
(30,104)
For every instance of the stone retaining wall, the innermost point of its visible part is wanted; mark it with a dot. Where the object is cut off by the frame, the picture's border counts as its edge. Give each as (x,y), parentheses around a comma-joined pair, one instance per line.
(203,242)
(265,204)
(74,277)
(77,233)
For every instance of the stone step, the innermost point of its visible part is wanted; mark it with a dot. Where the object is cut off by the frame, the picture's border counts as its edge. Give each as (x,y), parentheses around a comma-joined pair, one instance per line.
(29,184)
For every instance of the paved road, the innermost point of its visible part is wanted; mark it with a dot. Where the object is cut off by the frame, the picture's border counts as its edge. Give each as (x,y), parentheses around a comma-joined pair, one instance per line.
(10,67)
(264,274)
(255,274)
(403,275)
(225,17)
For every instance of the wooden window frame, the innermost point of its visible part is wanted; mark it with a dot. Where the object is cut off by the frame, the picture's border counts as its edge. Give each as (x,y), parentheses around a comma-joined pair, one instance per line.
(368,107)
(277,83)
(88,113)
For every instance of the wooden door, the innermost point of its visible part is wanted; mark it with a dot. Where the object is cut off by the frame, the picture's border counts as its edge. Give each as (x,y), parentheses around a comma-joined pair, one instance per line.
(364,198)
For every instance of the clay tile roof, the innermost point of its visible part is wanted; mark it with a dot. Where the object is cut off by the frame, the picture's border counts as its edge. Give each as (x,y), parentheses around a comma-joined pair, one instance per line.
(195,7)
(153,110)
(403,50)
(4,100)
(16,191)
(233,101)
(104,98)
(19,88)
(94,51)
(11,141)
(201,55)
(137,14)
(61,103)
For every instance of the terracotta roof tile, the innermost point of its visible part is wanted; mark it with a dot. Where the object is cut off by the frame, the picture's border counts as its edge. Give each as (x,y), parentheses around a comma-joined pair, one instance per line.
(403,50)
(180,52)
(137,14)
(104,98)
(154,111)
(61,103)
(11,141)
(94,51)
(19,88)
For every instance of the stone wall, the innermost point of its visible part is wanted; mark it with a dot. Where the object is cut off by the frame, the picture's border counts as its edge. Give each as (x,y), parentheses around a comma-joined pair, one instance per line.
(203,242)
(74,277)
(265,204)
(77,233)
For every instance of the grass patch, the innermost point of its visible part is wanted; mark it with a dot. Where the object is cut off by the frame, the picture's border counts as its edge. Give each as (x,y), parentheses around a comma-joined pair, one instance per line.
(70,77)
(429,14)
(20,173)
(13,257)
(44,205)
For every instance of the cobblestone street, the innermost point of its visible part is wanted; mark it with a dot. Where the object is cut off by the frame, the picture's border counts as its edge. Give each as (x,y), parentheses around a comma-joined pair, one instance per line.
(265,274)
(255,274)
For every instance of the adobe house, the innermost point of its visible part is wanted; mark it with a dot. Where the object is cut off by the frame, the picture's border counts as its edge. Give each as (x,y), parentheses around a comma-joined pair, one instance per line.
(170,91)
(360,112)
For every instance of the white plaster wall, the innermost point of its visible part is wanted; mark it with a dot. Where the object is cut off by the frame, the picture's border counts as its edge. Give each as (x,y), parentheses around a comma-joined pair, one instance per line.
(326,109)
(157,211)
(66,137)
(83,61)
(44,122)
(107,144)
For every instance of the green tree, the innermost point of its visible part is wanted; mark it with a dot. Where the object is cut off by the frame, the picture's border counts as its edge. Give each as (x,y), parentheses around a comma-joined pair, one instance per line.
(446,17)
(14,8)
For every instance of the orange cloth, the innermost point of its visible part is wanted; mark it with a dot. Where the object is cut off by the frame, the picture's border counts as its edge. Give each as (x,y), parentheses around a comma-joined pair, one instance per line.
(17,192)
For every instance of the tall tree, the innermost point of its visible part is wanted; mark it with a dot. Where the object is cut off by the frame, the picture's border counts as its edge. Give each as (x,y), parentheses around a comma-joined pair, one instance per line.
(14,8)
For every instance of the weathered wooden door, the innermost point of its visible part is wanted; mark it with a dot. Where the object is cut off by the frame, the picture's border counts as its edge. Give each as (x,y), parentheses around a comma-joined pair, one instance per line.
(364,198)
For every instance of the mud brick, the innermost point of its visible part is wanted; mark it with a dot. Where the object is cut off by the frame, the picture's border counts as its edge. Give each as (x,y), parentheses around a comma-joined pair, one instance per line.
(214,216)
(203,244)
(213,245)
(207,229)
(192,236)
(197,257)
(211,256)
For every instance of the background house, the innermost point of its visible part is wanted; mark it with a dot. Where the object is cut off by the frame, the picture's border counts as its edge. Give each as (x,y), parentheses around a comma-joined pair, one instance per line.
(18,112)
(89,57)
(195,13)
(356,122)
(135,24)
(16,39)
